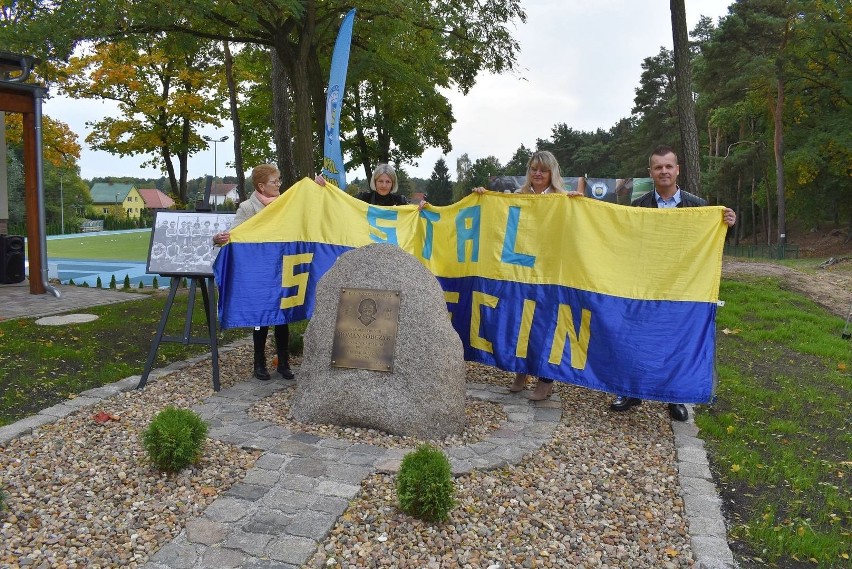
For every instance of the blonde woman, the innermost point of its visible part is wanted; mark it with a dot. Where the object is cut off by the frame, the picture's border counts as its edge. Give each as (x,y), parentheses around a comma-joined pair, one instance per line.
(543,177)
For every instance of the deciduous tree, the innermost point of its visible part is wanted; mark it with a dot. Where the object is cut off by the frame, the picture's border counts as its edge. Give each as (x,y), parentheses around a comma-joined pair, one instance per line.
(165,86)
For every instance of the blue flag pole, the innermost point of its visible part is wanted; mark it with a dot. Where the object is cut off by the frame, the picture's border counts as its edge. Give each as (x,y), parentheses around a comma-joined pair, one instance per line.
(333,168)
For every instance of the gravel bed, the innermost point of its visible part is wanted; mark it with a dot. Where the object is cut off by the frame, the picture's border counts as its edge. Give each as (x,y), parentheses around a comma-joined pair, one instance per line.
(602,493)
(83,494)
(482,417)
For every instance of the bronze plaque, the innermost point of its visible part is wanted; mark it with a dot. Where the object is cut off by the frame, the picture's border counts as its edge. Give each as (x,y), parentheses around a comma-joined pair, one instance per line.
(365,330)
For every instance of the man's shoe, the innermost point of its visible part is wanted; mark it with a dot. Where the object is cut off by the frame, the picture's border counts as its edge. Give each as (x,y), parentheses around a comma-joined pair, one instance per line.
(624,403)
(261,373)
(286,372)
(678,412)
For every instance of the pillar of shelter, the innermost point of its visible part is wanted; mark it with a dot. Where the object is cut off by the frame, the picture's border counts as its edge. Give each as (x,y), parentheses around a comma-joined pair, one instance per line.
(25,98)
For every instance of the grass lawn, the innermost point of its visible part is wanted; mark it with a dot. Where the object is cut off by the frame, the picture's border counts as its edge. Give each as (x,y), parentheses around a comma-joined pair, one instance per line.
(44,365)
(779,437)
(104,247)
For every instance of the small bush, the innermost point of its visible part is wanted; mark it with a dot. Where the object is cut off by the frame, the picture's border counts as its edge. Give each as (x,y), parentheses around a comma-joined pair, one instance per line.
(126,282)
(424,484)
(71,282)
(112,283)
(141,284)
(155,284)
(174,439)
(99,283)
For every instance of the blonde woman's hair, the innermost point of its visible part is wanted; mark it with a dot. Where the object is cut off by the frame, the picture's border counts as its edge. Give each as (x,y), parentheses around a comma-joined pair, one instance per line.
(384,169)
(263,173)
(546,161)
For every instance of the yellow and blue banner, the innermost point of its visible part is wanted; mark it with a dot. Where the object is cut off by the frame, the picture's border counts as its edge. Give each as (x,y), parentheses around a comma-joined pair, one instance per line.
(595,294)
(333,167)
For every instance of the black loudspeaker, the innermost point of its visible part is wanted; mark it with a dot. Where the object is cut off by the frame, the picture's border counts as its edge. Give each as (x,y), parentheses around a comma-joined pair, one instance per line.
(11,259)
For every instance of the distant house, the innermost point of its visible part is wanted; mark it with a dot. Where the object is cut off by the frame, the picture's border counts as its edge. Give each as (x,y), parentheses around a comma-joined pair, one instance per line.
(221,192)
(154,199)
(107,195)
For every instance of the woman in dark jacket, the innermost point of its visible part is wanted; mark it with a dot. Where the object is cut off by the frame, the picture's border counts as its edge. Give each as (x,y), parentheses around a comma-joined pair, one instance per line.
(383,186)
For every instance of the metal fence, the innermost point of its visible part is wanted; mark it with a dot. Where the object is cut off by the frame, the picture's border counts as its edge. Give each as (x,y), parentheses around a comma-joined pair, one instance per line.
(763,251)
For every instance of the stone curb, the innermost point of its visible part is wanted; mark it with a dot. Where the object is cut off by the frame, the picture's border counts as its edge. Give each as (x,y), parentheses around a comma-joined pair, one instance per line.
(701,502)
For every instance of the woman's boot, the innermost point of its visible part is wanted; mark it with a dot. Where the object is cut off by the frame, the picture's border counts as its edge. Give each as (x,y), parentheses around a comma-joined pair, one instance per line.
(282,348)
(259,341)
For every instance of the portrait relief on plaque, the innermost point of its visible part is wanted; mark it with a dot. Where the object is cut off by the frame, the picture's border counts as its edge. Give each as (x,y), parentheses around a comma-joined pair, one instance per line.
(365,329)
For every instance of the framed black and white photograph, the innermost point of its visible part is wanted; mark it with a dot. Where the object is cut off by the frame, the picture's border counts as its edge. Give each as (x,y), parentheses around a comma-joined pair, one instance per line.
(182,242)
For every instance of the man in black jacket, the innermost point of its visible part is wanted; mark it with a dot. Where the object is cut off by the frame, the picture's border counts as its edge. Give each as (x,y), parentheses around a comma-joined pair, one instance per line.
(664,170)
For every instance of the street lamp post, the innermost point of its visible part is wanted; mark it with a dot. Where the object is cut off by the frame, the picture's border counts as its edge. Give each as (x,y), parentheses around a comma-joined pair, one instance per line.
(215,141)
(61,205)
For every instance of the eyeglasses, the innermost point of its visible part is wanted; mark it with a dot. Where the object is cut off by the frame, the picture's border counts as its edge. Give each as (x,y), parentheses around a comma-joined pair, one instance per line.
(273,182)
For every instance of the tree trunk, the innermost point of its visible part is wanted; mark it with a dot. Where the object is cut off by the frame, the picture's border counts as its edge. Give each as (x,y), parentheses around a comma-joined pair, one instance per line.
(303,146)
(183,157)
(281,115)
(170,172)
(737,207)
(360,137)
(753,207)
(685,103)
(768,214)
(235,121)
(318,96)
(779,162)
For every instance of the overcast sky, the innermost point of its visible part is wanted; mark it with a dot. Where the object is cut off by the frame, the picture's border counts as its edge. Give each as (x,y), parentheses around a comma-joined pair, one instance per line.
(579,64)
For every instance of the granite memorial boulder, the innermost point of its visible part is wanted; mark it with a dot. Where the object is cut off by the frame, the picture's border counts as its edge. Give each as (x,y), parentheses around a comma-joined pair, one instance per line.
(422,394)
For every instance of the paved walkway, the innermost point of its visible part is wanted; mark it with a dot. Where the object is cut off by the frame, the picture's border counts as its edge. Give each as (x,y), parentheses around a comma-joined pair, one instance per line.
(17,302)
(290,500)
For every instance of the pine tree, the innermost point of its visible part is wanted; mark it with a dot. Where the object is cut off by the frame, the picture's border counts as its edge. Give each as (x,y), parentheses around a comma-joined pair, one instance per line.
(439,189)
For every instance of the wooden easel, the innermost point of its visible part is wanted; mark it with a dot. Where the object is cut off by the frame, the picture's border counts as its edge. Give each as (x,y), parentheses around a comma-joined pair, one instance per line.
(207,294)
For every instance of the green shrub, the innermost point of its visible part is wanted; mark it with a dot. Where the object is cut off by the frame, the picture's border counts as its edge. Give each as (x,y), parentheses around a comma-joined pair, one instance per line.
(155,284)
(112,283)
(126,281)
(71,282)
(141,284)
(174,439)
(424,484)
(99,283)
(2,499)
